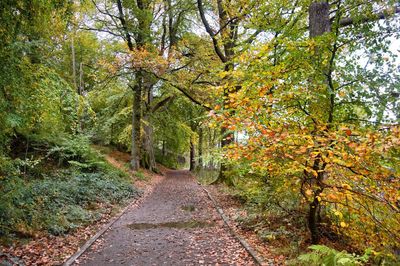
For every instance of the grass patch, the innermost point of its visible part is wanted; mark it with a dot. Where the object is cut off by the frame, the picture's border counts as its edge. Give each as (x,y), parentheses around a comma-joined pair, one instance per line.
(188,208)
(206,176)
(139,175)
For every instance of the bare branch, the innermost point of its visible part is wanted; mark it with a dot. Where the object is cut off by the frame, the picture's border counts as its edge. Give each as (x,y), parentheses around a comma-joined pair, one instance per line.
(210,32)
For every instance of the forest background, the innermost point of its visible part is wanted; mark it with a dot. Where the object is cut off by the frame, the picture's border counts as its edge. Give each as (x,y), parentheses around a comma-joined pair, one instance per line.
(292,104)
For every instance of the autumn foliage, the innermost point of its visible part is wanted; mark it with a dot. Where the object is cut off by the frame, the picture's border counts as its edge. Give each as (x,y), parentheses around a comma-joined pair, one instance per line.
(293,130)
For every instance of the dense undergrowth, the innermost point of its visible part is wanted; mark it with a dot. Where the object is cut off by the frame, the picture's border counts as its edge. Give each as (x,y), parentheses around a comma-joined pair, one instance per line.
(276,215)
(57,187)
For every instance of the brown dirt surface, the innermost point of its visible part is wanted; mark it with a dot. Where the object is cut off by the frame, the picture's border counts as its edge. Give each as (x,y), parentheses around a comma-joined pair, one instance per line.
(175,224)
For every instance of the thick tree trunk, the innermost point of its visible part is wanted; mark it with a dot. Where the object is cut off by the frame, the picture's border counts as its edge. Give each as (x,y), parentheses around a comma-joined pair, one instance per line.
(148,157)
(229,31)
(136,120)
(227,136)
(319,23)
(313,221)
(141,37)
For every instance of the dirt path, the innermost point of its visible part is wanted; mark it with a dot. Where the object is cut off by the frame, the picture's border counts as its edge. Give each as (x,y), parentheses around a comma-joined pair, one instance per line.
(175,225)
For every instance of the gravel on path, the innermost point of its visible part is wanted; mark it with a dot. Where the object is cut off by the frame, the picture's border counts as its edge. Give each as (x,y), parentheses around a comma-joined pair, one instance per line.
(175,225)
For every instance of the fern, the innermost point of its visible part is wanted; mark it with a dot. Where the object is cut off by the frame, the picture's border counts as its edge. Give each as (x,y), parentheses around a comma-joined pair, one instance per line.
(323,255)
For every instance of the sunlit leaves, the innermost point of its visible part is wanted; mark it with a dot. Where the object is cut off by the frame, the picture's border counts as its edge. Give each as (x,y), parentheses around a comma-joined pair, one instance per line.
(303,115)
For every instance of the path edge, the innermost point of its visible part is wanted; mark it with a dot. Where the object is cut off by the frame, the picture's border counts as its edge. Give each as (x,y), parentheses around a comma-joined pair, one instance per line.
(93,239)
(243,242)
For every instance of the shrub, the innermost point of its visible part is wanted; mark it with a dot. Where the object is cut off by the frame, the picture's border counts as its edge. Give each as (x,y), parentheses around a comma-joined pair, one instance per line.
(140,175)
(76,151)
(323,255)
(58,203)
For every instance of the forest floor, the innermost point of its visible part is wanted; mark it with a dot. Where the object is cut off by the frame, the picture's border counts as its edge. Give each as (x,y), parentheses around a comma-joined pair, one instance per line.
(175,224)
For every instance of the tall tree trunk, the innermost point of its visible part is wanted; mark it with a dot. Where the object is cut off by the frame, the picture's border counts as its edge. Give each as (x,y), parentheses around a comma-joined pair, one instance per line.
(229,31)
(81,82)
(229,43)
(141,37)
(313,225)
(76,87)
(148,157)
(192,162)
(319,23)
(228,137)
(73,57)
(136,121)
(200,152)
(163,148)
(80,91)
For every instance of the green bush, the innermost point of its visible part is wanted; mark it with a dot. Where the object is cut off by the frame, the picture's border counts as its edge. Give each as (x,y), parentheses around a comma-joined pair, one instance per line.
(76,151)
(140,175)
(59,203)
(7,166)
(325,256)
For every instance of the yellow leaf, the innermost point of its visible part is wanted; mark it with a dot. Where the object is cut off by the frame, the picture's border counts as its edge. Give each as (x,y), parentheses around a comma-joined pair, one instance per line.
(338,213)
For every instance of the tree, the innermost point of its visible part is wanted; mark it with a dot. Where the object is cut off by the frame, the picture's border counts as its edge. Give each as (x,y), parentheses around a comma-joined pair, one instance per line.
(153,54)
(34,100)
(239,25)
(320,24)
(307,122)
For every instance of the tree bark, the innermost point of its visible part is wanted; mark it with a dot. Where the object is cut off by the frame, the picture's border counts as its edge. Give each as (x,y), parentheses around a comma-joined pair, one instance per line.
(312,221)
(148,157)
(192,162)
(136,120)
(319,24)
(163,148)
(200,148)
(81,81)
(73,64)
(137,97)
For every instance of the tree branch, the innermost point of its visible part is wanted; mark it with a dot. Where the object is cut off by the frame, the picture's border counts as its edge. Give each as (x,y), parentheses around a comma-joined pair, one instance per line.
(378,16)
(210,32)
(124,26)
(162,103)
